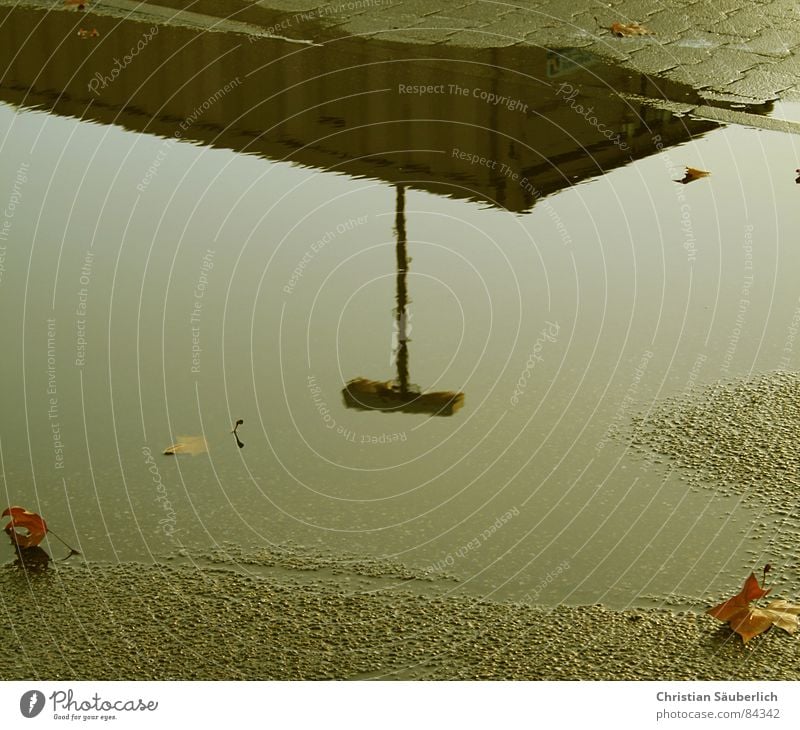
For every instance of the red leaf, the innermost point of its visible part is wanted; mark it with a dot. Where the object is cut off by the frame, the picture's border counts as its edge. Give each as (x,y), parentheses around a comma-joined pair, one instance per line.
(35,528)
(730,608)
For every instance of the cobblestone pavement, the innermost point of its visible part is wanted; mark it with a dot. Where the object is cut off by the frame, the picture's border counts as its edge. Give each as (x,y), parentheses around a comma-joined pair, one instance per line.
(731,50)
(745,50)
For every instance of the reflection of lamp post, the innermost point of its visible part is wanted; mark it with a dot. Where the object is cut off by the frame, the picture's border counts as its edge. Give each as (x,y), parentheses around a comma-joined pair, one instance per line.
(399,395)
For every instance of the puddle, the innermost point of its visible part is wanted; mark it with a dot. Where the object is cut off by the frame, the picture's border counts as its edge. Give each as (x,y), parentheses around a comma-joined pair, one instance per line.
(434,291)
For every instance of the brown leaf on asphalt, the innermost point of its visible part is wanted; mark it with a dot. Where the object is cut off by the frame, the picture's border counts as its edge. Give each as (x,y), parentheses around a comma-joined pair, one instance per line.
(192,445)
(692,174)
(749,621)
(625,30)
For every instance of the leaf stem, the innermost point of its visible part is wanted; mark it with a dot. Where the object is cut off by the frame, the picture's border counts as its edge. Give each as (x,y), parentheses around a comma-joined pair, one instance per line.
(72,549)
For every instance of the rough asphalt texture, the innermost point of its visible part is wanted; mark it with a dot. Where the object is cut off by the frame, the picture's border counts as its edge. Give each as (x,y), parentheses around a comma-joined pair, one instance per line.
(128,622)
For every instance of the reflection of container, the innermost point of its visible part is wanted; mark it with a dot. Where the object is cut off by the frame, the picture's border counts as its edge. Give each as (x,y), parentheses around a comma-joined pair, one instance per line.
(377,395)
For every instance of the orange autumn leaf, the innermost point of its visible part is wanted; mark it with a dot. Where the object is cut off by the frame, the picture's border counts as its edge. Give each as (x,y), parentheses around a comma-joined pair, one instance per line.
(187,445)
(749,621)
(34,527)
(733,606)
(692,174)
(628,29)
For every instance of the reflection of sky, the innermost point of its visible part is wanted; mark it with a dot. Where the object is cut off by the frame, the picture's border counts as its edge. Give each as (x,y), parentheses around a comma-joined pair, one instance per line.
(605,260)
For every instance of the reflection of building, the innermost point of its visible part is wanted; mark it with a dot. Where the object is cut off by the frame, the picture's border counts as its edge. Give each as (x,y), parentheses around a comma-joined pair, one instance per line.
(500,127)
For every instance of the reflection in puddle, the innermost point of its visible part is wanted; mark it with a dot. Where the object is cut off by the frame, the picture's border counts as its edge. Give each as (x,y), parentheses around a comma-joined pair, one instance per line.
(552,253)
(400,395)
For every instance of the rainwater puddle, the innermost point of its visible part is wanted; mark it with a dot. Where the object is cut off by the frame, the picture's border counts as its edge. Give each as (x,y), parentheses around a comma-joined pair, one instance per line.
(436,292)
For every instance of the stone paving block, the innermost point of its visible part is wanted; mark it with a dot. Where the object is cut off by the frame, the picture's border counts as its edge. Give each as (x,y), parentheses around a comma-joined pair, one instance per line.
(344,9)
(745,23)
(782,9)
(448,23)
(291,6)
(559,9)
(358,26)
(755,82)
(483,11)
(704,75)
(419,36)
(633,10)
(654,59)
(478,39)
(513,26)
(770,42)
(565,37)
(423,8)
(608,49)
(390,21)
(789,66)
(668,26)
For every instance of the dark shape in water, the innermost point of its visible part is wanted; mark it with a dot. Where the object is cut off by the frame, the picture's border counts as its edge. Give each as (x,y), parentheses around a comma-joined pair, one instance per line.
(239,443)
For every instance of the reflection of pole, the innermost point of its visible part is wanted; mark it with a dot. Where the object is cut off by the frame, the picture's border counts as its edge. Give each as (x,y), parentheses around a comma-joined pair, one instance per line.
(402,293)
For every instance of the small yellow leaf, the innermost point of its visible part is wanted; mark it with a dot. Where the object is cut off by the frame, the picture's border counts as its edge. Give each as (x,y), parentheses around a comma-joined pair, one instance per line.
(187,445)
(628,29)
(692,174)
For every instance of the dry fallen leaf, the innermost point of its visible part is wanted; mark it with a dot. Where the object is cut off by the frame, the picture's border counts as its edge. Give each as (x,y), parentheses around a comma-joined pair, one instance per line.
(628,29)
(749,621)
(35,528)
(692,174)
(187,445)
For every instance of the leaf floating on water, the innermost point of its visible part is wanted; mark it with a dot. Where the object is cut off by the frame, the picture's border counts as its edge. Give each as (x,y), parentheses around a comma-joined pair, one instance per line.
(624,30)
(192,445)
(33,526)
(749,621)
(692,174)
